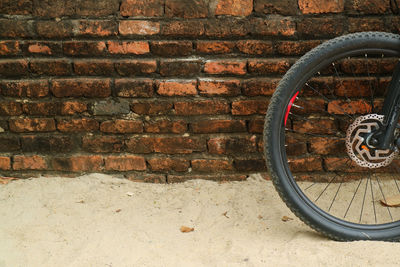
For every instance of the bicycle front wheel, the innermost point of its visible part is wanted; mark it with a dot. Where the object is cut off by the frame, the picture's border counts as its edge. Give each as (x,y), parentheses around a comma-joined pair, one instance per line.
(316,138)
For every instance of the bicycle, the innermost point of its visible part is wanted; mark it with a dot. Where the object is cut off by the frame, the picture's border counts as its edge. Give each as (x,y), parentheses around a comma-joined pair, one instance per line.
(332,137)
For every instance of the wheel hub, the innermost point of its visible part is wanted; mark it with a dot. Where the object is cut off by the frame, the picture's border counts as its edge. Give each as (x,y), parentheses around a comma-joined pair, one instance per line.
(358,146)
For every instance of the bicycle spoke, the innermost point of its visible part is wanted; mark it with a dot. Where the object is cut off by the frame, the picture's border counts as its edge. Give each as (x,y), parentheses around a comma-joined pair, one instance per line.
(362,206)
(337,191)
(351,202)
(372,196)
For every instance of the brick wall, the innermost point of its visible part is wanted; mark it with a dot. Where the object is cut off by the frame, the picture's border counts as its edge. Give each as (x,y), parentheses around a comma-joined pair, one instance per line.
(155,90)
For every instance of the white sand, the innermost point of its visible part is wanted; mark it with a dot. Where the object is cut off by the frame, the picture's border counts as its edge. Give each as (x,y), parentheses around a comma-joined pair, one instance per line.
(74,222)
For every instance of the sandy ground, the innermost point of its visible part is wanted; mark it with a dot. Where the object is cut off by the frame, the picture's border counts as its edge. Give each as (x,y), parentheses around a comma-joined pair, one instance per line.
(97,220)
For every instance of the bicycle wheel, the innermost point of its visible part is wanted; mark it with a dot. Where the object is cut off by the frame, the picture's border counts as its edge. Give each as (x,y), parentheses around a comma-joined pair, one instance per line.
(315,137)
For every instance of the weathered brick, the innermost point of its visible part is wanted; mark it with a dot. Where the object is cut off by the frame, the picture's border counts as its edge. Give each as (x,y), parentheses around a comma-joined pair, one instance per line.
(73,107)
(47,144)
(84,48)
(315,126)
(42,108)
(325,146)
(213,177)
(259,86)
(366,24)
(142,8)
(165,126)
(10,28)
(77,125)
(135,67)
(29,163)
(273,27)
(291,48)
(79,87)
(306,165)
(353,107)
(166,145)
(13,68)
(121,126)
(5,163)
(171,48)
(51,67)
(219,87)
(211,165)
(111,107)
(283,7)
(94,67)
(125,163)
(215,47)
(268,66)
(152,108)
(321,27)
(55,29)
(168,164)
(179,68)
(250,165)
(11,7)
(183,28)
(248,107)
(32,125)
(225,67)
(9,48)
(43,47)
(24,88)
(318,6)
(138,27)
(128,47)
(255,47)
(10,108)
(186,8)
(177,87)
(256,126)
(232,145)
(9,144)
(102,144)
(147,178)
(367,6)
(97,28)
(204,107)
(234,7)
(227,27)
(134,87)
(218,126)
(92,163)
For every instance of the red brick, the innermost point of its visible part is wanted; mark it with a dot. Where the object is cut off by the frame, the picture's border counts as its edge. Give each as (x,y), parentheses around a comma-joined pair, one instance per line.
(5,163)
(255,47)
(168,164)
(213,177)
(353,107)
(39,49)
(315,126)
(152,108)
(32,125)
(248,107)
(225,67)
(177,87)
(138,27)
(92,163)
(84,48)
(183,28)
(268,66)
(259,86)
(218,126)
(10,108)
(102,144)
(142,8)
(366,24)
(205,107)
(219,87)
(125,163)
(367,6)
(79,87)
(165,126)
(211,165)
(43,47)
(228,27)
(305,165)
(179,68)
(94,67)
(326,145)
(186,9)
(171,48)
(125,47)
(134,87)
(232,145)
(77,125)
(256,126)
(234,7)
(24,88)
(55,29)
(166,145)
(97,28)
(215,47)
(282,7)
(9,48)
(13,68)
(273,27)
(321,6)
(121,126)
(29,163)
(320,27)
(294,48)
(134,67)
(43,108)
(71,108)
(51,67)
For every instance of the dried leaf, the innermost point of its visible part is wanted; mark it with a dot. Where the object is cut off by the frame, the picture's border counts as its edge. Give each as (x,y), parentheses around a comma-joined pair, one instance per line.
(286,218)
(225,214)
(81,201)
(185,229)
(6,180)
(392,201)
(260,217)
(118,210)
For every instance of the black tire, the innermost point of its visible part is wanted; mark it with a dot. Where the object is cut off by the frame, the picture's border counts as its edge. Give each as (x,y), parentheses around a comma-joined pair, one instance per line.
(330,58)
